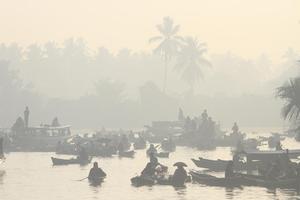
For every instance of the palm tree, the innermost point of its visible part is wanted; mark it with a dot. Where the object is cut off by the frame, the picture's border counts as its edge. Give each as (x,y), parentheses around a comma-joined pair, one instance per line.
(169,43)
(290,92)
(190,61)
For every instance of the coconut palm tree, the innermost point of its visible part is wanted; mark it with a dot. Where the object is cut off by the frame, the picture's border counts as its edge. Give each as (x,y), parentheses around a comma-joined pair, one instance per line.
(190,61)
(169,43)
(290,93)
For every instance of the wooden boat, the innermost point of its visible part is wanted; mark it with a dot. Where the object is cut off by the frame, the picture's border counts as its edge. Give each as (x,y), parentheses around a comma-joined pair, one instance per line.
(276,183)
(139,181)
(127,154)
(215,181)
(96,181)
(168,181)
(59,161)
(220,165)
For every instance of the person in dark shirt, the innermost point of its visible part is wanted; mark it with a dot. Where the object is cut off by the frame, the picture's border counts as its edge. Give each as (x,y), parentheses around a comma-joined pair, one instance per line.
(149,170)
(229,170)
(26,116)
(179,177)
(96,173)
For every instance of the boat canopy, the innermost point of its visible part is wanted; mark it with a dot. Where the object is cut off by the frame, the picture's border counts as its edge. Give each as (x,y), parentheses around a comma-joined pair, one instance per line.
(48,130)
(269,155)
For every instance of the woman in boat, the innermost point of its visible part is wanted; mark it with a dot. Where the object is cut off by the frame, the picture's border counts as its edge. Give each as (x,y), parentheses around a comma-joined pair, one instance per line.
(229,170)
(180,175)
(96,173)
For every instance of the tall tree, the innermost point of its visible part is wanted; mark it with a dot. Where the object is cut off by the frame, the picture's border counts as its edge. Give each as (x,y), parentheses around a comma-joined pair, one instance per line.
(169,43)
(191,60)
(290,93)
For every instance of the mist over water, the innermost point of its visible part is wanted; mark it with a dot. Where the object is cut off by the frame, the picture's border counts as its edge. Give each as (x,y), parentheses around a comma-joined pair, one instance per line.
(124,83)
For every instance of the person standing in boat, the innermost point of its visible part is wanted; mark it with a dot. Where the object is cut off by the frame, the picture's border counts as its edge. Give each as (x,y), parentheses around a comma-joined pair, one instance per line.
(83,155)
(18,127)
(152,151)
(204,115)
(26,116)
(229,173)
(96,172)
(235,128)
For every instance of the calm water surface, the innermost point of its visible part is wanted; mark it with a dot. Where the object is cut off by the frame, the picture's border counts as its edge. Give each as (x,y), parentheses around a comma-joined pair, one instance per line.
(31,176)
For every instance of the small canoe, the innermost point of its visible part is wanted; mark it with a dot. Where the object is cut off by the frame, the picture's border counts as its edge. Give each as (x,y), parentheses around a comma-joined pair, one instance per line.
(139,181)
(127,154)
(215,181)
(59,161)
(168,181)
(96,181)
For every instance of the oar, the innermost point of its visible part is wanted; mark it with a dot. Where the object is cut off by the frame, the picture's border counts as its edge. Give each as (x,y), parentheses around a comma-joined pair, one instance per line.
(82,179)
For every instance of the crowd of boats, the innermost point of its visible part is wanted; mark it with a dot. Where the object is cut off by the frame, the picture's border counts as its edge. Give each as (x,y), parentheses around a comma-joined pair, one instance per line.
(249,165)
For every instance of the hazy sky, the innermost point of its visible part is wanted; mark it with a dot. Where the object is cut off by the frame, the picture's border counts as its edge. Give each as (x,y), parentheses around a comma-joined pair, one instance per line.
(247,28)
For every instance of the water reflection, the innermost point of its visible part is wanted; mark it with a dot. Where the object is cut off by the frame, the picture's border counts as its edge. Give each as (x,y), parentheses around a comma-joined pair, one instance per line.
(38,175)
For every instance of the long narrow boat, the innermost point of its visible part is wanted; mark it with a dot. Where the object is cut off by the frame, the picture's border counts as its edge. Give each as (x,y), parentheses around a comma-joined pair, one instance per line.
(59,161)
(215,181)
(220,165)
(275,183)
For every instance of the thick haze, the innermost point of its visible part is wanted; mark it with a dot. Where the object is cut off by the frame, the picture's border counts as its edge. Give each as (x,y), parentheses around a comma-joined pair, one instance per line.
(93,57)
(247,28)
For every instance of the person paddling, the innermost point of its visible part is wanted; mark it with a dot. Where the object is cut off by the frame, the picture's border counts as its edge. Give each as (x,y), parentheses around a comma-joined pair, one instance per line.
(96,173)
(180,175)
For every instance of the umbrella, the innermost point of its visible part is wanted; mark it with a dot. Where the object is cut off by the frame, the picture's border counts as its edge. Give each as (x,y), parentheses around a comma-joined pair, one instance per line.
(180,164)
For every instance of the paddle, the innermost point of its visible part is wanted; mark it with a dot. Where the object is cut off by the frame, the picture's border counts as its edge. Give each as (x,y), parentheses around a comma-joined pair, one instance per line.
(102,177)
(82,179)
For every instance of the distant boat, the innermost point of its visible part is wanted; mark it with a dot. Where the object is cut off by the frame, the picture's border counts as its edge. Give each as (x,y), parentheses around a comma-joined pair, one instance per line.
(40,139)
(59,161)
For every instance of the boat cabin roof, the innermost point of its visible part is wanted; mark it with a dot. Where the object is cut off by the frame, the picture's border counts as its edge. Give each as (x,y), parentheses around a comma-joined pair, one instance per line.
(271,154)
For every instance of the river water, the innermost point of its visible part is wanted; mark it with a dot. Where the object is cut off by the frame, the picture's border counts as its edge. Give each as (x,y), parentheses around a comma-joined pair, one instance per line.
(31,176)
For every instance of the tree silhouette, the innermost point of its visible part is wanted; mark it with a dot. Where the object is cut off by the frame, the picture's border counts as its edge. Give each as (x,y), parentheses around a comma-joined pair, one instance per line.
(169,43)
(290,93)
(190,61)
